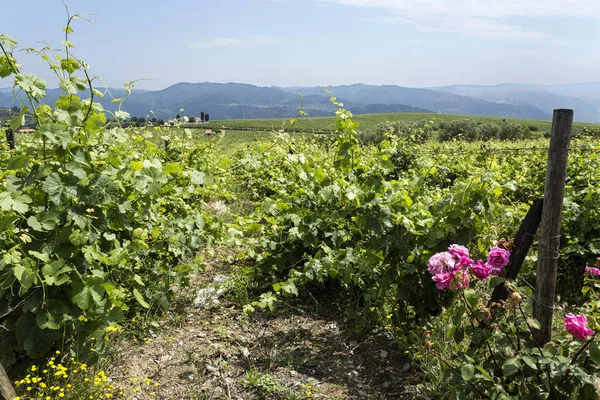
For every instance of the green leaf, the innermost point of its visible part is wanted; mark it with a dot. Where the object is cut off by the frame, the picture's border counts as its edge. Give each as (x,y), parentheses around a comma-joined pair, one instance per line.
(595,352)
(88,294)
(138,279)
(68,86)
(58,192)
(583,376)
(467,371)
(200,178)
(459,335)
(56,273)
(34,224)
(140,299)
(486,375)
(530,362)
(31,84)
(248,309)
(19,120)
(53,317)
(25,275)
(14,201)
(35,341)
(496,280)
(472,298)
(8,41)
(172,168)
(267,300)
(457,314)
(69,64)
(40,256)
(510,367)
(18,162)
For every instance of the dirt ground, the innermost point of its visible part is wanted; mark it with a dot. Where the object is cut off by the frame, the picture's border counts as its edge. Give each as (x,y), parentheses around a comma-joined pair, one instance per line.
(306,349)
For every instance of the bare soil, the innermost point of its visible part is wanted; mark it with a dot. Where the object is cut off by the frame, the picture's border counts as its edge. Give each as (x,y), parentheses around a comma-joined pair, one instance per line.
(306,349)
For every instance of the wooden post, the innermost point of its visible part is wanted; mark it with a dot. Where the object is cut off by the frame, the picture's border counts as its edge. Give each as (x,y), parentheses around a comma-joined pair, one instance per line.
(6,389)
(522,243)
(10,138)
(549,240)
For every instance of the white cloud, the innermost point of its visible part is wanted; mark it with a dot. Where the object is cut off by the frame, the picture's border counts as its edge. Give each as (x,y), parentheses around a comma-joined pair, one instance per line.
(217,43)
(483,19)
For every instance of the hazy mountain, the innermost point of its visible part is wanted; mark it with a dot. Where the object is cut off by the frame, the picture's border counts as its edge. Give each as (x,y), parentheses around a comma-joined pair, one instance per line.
(438,101)
(583,98)
(239,101)
(5,99)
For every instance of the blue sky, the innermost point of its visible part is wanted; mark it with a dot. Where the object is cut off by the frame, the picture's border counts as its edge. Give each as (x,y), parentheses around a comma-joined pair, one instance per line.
(415,43)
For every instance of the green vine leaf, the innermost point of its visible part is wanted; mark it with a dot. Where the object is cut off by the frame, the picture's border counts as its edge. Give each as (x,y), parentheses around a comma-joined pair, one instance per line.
(140,299)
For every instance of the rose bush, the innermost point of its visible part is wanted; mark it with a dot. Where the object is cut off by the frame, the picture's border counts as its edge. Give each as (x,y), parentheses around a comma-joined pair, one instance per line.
(481,349)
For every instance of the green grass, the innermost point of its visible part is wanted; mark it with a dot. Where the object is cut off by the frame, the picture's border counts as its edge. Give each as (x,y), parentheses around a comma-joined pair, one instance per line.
(368,121)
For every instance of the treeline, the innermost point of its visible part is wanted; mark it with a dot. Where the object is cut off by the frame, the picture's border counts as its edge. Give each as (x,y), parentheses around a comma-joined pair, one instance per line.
(462,129)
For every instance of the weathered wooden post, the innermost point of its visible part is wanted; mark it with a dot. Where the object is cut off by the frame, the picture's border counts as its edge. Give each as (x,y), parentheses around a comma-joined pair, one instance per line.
(549,240)
(522,243)
(7,391)
(10,137)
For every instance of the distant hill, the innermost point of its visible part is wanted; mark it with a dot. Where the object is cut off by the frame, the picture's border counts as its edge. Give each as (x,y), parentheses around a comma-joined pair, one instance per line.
(243,101)
(230,101)
(583,98)
(445,103)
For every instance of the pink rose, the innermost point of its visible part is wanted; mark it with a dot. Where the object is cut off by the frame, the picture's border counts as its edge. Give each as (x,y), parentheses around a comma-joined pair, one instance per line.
(481,270)
(466,262)
(592,272)
(440,263)
(498,259)
(458,251)
(443,280)
(576,326)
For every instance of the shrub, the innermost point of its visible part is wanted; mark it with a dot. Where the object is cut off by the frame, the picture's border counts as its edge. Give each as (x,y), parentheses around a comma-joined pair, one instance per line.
(481,349)
(462,129)
(96,222)
(413,132)
(510,131)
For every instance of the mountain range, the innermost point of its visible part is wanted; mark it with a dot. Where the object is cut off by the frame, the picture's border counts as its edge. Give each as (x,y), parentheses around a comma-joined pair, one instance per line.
(244,101)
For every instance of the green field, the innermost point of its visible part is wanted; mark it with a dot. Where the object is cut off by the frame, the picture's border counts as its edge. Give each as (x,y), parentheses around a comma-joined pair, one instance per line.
(368,121)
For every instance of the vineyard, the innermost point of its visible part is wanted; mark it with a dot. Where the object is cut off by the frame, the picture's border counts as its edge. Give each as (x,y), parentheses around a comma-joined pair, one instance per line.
(369,122)
(101,228)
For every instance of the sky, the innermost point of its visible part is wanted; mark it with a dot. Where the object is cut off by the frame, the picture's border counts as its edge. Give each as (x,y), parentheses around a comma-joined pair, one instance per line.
(415,43)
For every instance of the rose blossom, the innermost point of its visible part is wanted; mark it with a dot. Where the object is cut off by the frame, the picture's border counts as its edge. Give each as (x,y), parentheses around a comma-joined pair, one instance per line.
(458,251)
(592,272)
(481,270)
(576,326)
(466,262)
(440,263)
(498,259)
(443,280)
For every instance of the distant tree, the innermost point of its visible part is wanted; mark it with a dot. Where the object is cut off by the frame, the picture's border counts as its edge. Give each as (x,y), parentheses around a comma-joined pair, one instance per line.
(161,122)
(192,119)
(202,116)
(178,117)
(15,109)
(206,117)
(141,121)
